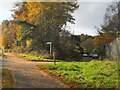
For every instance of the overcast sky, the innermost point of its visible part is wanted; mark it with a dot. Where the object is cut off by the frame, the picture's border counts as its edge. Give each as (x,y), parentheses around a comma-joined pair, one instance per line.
(89,15)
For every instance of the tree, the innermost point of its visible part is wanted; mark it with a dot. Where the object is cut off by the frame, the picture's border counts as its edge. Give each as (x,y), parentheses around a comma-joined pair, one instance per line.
(48,20)
(5,34)
(111,23)
(109,29)
(88,45)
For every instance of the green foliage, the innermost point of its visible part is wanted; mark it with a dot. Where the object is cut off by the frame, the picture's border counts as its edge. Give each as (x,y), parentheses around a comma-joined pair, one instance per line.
(93,74)
(40,24)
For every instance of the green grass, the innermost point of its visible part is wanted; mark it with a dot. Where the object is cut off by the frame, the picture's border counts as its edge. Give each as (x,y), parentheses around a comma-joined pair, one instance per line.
(33,57)
(7,79)
(93,74)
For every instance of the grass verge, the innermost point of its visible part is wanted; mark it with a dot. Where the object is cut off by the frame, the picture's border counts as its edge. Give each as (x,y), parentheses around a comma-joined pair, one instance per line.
(93,74)
(33,57)
(7,79)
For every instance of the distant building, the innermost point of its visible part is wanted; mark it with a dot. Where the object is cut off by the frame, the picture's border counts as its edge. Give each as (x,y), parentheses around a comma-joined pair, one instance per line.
(112,49)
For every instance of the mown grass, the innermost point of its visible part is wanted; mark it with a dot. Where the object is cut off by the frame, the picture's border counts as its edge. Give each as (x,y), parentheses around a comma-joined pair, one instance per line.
(7,79)
(34,57)
(93,74)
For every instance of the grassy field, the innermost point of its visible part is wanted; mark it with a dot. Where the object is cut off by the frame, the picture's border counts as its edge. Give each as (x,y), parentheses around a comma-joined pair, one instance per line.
(35,57)
(93,74)
(7,79)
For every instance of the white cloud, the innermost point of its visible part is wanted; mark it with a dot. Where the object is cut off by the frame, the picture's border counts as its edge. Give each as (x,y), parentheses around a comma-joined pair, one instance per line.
(88,16)
(5,10)
(60,0)
(5,6)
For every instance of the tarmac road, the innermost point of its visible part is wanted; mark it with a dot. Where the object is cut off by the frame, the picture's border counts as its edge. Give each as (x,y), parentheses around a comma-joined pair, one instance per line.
(27,76)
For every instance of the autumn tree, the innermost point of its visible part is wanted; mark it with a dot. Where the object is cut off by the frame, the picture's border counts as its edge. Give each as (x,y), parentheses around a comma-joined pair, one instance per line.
(88,45)
(46,21)
(5,34)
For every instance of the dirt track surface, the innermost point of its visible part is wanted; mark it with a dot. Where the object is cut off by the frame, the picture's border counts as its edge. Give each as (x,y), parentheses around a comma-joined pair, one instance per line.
(27,76)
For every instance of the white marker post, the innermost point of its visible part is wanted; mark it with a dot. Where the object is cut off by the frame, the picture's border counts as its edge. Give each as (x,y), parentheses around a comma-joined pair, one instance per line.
(50,46)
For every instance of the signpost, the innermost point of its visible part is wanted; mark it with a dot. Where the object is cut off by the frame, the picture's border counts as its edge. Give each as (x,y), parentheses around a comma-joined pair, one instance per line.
(18,43)
(54,57)
(50,43)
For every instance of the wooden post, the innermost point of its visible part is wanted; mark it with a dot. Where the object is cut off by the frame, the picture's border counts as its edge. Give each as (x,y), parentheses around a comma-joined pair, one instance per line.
(54,57)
